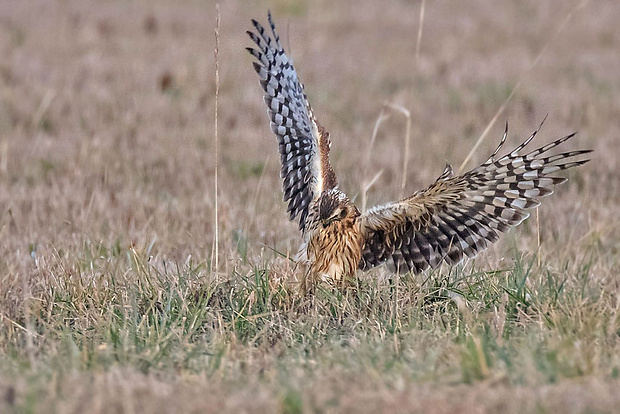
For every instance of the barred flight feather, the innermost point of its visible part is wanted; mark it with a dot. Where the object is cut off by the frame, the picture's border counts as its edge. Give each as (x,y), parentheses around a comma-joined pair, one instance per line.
(303,143)
(460,216)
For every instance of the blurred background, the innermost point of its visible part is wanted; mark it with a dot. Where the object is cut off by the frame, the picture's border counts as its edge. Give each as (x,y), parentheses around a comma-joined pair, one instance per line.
(107,114)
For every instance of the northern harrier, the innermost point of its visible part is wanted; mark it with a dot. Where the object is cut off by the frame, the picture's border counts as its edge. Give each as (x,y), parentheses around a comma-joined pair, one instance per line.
(452,218)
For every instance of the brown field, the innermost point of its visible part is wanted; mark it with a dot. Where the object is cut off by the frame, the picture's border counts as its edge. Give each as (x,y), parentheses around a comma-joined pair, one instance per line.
(109,299)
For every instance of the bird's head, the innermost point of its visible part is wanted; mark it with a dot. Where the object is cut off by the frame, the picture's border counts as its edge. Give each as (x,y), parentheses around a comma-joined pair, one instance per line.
(335,206)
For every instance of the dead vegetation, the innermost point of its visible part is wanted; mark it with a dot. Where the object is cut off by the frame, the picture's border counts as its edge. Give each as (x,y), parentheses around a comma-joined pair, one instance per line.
(109,301)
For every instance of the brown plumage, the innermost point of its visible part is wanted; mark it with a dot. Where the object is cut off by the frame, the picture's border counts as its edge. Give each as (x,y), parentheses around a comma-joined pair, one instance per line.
(452,218)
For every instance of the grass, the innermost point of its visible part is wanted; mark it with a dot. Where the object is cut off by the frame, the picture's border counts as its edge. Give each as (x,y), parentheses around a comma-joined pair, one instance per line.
(109,300)
(115,310)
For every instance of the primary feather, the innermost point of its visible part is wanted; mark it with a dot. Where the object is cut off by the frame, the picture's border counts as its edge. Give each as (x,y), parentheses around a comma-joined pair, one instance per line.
(304,144)
(460,216)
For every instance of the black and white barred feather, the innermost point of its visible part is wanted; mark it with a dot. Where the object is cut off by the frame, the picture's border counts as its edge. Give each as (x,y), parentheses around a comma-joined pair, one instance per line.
(304,145)
(460,216)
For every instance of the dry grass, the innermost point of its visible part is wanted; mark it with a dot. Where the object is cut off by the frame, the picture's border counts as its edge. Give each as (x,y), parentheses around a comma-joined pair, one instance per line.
(107,298)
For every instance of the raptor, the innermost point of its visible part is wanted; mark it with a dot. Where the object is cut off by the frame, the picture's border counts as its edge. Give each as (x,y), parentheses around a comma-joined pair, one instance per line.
(453,218)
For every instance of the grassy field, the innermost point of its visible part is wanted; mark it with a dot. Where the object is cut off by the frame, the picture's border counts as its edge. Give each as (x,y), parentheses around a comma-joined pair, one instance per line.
(109,299)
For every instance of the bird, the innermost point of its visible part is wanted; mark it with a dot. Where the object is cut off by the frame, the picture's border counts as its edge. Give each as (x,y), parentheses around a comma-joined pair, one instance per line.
(454,218)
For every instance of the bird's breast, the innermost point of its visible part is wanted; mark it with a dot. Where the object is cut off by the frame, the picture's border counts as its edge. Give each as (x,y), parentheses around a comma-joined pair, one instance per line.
(334,251)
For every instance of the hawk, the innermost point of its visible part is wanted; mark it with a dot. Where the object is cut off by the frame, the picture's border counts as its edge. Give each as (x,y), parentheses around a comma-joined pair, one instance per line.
(453,218)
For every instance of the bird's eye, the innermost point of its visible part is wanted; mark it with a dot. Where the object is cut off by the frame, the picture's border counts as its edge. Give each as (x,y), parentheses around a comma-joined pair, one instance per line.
(343,214)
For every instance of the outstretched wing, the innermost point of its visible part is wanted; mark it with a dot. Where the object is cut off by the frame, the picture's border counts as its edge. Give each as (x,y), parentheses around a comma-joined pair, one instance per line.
(304,144)
(460,216)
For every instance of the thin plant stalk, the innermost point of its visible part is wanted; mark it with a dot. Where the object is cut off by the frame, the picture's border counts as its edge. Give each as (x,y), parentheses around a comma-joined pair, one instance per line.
(523,75)
(217,91)
(420,26)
